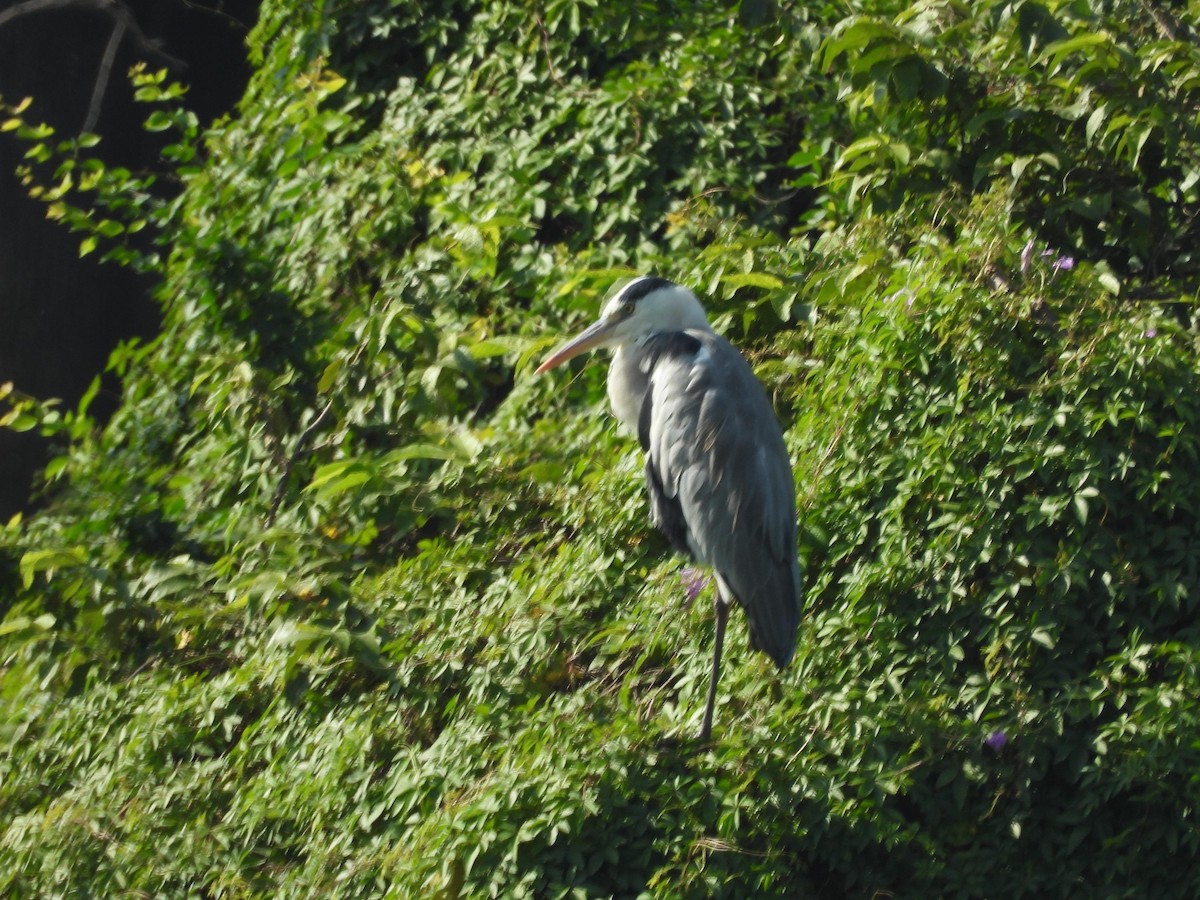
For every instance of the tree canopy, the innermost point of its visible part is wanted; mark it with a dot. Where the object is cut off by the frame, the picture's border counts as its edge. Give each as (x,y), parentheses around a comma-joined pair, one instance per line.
(343,601)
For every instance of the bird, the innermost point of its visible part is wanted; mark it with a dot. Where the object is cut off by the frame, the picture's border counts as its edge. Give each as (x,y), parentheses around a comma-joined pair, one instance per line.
(717,470)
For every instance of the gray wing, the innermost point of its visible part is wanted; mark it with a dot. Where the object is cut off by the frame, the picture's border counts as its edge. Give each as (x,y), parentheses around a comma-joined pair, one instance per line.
(719,478)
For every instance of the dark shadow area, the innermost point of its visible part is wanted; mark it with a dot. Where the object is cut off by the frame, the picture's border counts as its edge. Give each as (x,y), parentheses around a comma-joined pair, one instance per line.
(61,315)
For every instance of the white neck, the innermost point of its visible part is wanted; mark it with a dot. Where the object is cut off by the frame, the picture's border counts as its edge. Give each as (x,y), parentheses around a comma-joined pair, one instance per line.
(626,387)
(665,309)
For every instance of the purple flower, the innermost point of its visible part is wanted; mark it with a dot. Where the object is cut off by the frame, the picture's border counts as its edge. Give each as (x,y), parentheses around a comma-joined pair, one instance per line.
(1027,257)
(904,293)
(1151,333)
(1057,264)
(996,741)
(694,582)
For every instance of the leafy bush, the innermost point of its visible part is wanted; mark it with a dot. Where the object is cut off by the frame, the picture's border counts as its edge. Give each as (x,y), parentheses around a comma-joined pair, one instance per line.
(343,601)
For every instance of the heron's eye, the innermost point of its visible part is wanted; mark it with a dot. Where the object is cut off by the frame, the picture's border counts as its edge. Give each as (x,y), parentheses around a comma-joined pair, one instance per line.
(626,309)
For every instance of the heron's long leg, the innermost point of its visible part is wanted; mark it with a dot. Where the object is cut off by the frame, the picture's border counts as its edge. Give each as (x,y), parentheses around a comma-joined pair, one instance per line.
(721,607)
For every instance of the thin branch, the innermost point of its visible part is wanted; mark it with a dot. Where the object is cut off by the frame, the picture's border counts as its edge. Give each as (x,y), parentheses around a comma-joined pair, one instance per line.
(546,44)
(32,6)
(1169,27)
(301,442)
(114,9)
(306,436)
(123,22)
(106,64)
(218,13)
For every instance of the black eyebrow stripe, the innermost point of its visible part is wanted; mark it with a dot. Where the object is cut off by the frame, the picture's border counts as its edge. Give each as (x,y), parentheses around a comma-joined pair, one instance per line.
(643,286)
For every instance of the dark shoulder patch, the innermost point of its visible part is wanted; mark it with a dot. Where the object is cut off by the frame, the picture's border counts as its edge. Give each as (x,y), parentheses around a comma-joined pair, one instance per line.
(673,344)
(669,344)
(644,415)
(636,290)
(666,512)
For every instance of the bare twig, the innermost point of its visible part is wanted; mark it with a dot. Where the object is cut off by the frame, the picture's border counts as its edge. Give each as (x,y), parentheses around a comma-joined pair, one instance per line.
(218,13)
(1169,27)
(301,442)
(106,64)
(123,23)
(114,9)
(997,279)
(546,45)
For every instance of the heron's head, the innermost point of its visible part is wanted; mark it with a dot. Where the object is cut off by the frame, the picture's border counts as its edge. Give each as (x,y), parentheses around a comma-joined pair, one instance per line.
(644,306)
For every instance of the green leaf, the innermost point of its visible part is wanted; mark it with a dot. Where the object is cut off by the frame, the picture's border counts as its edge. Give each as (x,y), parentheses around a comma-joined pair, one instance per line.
(18,624)
(1057,51)
(1081,508)
(861,148)
(427,451)
(858,34)
(158,121)
(336,478)
(497,346)
(762,280)
(1044,637)
(48,561)
(330,375)
(20,421)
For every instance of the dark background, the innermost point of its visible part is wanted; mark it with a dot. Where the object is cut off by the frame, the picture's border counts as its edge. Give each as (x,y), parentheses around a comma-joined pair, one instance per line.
(60,315)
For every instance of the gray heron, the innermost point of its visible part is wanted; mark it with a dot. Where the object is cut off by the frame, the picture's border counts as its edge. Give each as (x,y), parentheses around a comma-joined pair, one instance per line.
(717,469)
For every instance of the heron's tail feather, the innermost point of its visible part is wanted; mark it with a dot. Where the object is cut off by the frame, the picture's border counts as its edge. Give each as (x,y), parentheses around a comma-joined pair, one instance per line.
(772,604)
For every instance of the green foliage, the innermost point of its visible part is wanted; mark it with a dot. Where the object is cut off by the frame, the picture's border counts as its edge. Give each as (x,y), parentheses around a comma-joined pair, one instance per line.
(1078,106)
(344,602)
